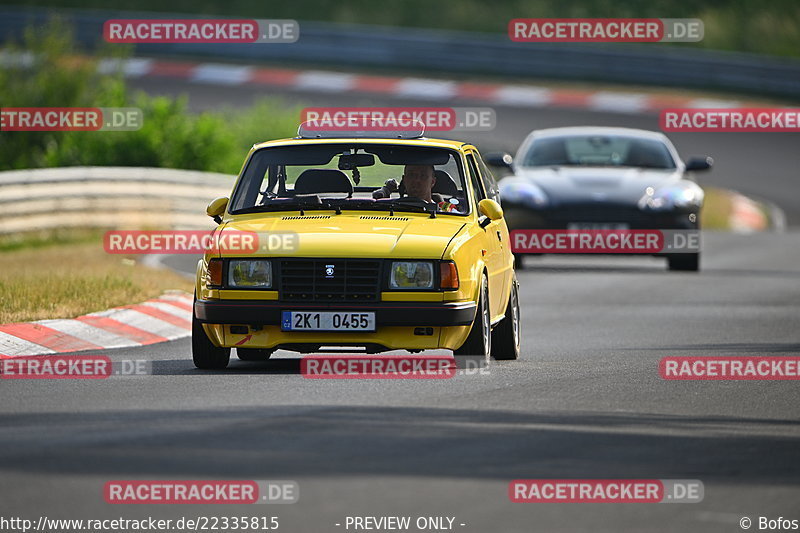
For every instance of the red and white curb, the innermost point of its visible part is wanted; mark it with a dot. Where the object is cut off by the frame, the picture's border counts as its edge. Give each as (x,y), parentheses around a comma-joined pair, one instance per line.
(746,216)
(407,87)
(158,320)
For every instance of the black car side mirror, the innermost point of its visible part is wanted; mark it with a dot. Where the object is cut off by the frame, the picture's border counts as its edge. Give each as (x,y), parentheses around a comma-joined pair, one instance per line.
(499,159)
(699,163)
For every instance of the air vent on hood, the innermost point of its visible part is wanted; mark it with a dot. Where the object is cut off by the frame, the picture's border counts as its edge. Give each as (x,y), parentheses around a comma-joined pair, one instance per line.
(365,217)
(312,217)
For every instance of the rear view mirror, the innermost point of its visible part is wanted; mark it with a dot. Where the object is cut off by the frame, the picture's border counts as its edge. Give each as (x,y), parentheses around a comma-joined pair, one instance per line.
(499,159)
(216,208)
(491,210)
(401,155)
(699,163)
(353,161)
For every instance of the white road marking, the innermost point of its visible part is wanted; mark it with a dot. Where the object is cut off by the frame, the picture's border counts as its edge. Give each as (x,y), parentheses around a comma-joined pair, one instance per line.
(318,80)
(171,309)
(88,333)
(527,96)
(131,68)
(619,102)
(146,322)
(426,88)
(221,74)
(11,345)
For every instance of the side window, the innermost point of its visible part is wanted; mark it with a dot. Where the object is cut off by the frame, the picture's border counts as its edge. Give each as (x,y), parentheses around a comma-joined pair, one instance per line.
(489,182)
(477,184)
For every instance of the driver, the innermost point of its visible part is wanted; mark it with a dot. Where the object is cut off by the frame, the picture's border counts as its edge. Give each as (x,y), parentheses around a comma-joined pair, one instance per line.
(419,181)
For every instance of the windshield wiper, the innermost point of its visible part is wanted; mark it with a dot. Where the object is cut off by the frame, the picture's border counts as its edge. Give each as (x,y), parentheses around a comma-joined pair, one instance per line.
(301,203)
(414,204)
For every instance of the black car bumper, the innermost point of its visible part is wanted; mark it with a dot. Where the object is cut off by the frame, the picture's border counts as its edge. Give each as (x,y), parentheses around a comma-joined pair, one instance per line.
(518,217)
(263,313)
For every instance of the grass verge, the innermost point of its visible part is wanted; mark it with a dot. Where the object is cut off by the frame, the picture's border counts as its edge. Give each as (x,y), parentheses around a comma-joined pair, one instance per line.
(41,280)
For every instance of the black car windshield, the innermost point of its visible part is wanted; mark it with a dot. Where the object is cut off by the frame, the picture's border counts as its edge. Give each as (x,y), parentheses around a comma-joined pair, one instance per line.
(342,176)
(598,150)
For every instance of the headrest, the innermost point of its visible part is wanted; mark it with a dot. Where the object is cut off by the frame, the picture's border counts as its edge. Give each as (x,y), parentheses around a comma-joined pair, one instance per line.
(444,183)
(323,180)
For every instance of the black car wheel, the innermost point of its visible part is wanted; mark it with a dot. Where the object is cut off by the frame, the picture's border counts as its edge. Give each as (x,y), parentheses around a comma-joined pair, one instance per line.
(684,262)
(204,354)
(506,335)
(479,341)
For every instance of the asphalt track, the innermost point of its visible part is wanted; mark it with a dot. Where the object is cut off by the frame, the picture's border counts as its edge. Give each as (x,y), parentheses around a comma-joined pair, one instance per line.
(585,400)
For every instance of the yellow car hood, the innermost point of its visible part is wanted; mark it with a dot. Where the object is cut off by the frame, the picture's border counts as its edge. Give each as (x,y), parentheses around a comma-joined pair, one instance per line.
(353,235)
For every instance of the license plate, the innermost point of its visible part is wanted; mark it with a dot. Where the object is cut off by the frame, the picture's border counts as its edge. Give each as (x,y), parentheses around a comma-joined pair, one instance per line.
(597,225)
(327,321)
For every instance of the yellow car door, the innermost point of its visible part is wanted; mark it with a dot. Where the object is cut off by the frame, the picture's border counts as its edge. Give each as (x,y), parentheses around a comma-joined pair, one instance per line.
(493,244)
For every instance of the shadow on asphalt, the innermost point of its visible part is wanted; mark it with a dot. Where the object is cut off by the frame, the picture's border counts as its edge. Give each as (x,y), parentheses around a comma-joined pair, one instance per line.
(329,441)
(287,366)
(727,347)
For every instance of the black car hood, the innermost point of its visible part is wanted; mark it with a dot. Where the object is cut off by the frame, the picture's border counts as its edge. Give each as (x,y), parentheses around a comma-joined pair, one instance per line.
(564,185)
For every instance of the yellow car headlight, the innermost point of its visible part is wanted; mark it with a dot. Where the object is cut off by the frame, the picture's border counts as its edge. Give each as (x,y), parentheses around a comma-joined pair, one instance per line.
(250,273)
(411,275)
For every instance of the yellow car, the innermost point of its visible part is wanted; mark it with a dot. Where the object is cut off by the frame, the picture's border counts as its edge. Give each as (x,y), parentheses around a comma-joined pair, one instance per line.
(370,241)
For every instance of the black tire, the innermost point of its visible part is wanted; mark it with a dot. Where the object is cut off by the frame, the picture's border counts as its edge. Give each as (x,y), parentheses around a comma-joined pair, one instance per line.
(253,354)
(506,335)
(204,354)
(684,262)
(519,262)
(479,341)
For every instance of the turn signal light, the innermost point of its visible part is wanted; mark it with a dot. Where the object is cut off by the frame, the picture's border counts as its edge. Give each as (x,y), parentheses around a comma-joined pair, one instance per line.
(214,273)
(449,275)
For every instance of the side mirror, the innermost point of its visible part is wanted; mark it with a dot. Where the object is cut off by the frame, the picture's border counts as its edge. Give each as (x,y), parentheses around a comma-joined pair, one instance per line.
(499,159)
(216,208)
(699,163)
(491,210)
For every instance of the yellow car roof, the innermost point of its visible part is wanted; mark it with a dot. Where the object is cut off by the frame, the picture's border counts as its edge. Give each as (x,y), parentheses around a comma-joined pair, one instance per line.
(422,141)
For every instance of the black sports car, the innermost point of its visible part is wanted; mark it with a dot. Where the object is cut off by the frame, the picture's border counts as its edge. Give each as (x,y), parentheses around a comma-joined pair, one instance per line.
(602,178)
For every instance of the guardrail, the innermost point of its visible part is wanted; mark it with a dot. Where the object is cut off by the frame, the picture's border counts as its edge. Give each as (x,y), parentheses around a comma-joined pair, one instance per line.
(340,45)
(108,197)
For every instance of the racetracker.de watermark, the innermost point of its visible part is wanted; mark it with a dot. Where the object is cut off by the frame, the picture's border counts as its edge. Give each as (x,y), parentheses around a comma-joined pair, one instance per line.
(201,31)
(606,30)
(377,367)
(201,492)
(742,119)
(606,491)
(135,242)
(604,241)
(72,367)
(739,368)
(398,118)
(71,118)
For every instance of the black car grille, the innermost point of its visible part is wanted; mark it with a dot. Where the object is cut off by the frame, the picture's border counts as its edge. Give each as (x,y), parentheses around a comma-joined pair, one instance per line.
(314,280)
(598,213)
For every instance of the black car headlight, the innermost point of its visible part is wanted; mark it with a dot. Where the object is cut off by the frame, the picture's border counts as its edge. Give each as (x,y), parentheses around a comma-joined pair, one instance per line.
(250,273)
(678,196)
(523,192)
